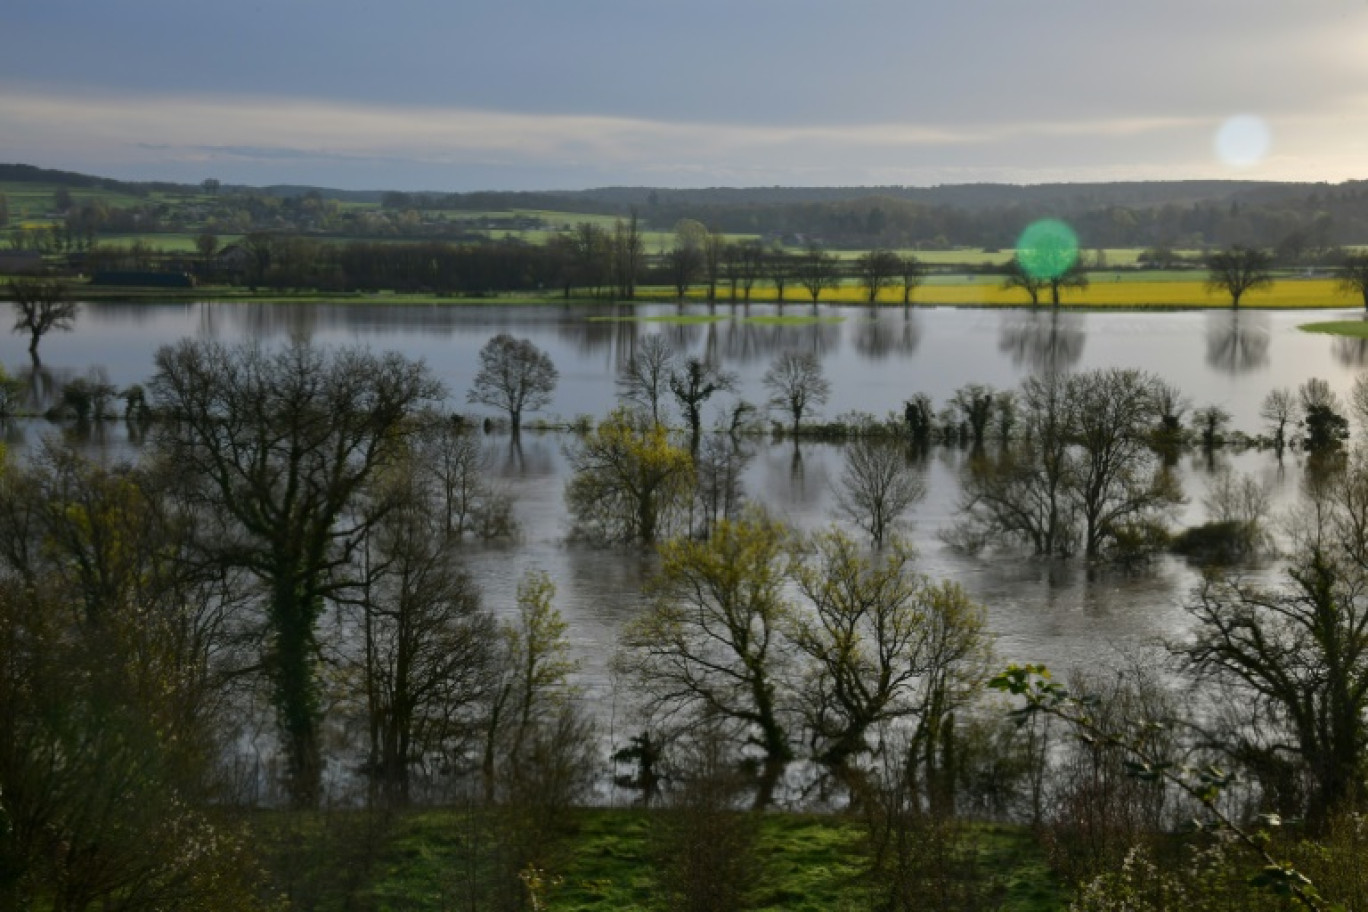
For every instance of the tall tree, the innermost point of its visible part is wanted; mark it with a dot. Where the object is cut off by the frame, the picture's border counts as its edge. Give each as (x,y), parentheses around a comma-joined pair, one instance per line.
(515,376)
(779,267)
(876,486)
(627,253)
(1120,484)
(645,378)
(276,447)
(710,646)
(1239,269)
(416,639)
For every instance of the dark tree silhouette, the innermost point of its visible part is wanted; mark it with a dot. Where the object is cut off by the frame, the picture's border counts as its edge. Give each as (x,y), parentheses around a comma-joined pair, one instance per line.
(1238,269)
(276,446)
(514,376)
(41,306)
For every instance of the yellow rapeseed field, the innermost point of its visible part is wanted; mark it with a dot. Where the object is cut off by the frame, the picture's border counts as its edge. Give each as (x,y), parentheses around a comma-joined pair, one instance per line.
(1286,293)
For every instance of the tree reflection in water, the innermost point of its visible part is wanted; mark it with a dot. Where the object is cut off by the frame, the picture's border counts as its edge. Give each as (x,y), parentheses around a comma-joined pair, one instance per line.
(1351,351)
(879,334)
(1237,341)
(1048,342)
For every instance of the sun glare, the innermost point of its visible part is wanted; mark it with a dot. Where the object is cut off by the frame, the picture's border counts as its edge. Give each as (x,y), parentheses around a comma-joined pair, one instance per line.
(1243,141)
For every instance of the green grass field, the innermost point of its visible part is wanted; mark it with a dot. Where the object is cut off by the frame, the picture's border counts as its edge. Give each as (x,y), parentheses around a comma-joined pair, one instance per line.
(609,862)
(1357,329)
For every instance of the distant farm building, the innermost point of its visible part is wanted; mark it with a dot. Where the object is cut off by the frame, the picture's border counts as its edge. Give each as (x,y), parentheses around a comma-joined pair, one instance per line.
(144,279)
(20,262)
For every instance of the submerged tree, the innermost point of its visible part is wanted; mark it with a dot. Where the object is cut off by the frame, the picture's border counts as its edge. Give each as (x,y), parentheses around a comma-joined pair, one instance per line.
(515,376)
(877,486)
(1296,655)
(630,483)
(692,386)
(883,644)
(276,446)
(418,642)
(41,306)
(646,377)
(797,385)
(710,647)
(1082,470)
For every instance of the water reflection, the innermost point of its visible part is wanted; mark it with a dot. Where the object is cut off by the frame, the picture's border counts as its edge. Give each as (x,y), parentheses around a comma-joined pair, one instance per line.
(879,334)
(1045,342)
(1237,341)
(1351,351)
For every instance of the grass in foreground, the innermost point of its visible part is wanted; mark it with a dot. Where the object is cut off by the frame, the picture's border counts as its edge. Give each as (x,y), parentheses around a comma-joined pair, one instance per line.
(611,859)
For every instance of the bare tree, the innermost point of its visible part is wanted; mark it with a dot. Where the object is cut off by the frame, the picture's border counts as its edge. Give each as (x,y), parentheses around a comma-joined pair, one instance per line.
(1279,409)
(718,466)
(645,378)
(686,259)
(627,255)
(452,461)
(750,266)
(714,248)
(973,404)
(1353,279)
(1239,269)
(417,640)
(1120,487)
(1075,277)
(877,486)
(797,385)
(41,306)
(514,376)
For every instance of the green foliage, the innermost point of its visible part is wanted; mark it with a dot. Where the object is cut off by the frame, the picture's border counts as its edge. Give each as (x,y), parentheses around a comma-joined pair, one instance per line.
(630,482)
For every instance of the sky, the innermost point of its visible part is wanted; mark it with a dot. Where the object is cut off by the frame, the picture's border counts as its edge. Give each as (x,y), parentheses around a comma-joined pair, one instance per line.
(462,95)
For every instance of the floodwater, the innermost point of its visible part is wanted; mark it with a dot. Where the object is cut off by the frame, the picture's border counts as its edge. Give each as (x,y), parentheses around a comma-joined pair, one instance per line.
(1039,611)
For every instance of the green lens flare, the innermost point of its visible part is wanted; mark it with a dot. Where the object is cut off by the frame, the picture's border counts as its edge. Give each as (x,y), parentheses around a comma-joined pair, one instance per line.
(1047,249)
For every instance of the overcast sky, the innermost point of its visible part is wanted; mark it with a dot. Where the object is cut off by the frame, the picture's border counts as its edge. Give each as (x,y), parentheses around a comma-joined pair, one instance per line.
(537,94)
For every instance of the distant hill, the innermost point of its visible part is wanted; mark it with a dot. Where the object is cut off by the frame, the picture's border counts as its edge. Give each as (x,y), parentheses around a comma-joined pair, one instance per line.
(1306,221)
(1060,196)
